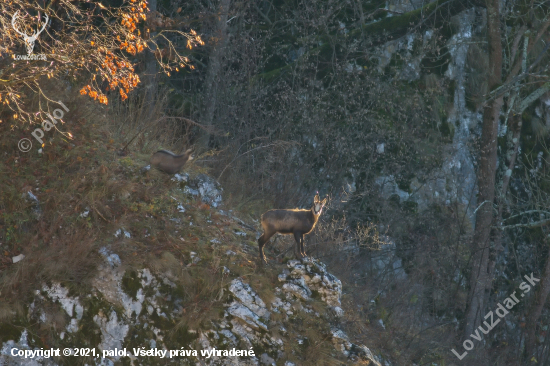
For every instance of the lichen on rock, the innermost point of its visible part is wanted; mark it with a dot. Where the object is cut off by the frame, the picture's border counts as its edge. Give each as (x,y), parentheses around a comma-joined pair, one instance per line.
(311,275)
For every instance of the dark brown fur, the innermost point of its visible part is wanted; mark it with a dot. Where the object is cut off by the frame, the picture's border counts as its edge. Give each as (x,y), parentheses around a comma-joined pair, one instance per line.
(298,222)
(168,162)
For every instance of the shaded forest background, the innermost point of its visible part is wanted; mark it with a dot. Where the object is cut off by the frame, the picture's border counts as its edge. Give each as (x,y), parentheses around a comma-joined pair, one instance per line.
(412,117)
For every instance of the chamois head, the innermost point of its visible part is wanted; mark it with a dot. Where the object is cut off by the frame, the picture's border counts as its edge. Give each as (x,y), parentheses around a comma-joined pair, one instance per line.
(318,204)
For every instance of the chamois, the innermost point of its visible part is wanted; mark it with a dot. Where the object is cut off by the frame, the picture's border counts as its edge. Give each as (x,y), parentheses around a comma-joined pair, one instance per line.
(168,162)
(298,222)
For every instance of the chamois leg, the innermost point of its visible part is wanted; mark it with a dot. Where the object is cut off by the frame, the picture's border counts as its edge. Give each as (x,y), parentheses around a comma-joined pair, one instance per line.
(302,246)
(299,237)
(261,242)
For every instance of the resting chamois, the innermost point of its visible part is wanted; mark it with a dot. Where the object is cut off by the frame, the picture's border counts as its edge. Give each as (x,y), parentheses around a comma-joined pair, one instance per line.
(292,221)
(168,162)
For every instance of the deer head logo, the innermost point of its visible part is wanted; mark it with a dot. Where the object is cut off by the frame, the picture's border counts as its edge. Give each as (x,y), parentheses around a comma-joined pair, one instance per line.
(29,40)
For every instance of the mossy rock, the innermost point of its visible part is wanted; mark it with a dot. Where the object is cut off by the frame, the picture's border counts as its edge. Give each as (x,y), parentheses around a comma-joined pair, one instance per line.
(410,206)
(447,129)
(10,332)
(394,200)
(404,183)
(177,337)
(396,63)
(436,62)
(89,333)
(131,284)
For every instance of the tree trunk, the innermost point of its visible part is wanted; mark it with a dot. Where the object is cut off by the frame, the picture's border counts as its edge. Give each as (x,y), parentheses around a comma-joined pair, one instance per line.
(151,71)
(480,280)
(515,126)
(536,310)
(214,69)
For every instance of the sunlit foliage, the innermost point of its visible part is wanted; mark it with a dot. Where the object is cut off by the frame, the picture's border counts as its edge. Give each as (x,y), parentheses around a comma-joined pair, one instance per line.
(88,43)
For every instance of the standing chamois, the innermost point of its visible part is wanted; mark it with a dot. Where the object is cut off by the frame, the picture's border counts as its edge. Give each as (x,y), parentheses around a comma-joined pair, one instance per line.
(168,162)
(292,221)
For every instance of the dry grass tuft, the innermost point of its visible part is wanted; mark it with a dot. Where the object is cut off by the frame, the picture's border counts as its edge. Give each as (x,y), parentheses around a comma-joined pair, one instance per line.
(87,191)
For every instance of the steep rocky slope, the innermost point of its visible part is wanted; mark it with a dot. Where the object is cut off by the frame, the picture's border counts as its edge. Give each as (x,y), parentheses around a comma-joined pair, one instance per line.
(128,312)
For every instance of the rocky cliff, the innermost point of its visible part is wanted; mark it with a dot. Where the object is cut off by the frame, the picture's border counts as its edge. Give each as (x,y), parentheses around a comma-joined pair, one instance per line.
(134,315)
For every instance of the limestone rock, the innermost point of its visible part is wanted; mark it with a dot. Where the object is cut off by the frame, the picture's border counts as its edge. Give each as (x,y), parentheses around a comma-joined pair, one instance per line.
(242,312)
(113,331)
(208,188)
(248,298)
(311,275)
(359,355)
(6,359)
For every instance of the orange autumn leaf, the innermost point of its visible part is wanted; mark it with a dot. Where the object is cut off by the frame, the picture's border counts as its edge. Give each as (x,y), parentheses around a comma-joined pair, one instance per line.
(131,50)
